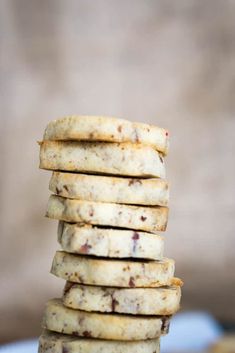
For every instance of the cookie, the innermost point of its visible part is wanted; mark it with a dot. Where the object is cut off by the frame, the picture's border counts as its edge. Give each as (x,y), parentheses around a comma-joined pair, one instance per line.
(150,219)
(103,158)
(109,129)
(225,344)
(113,273)
(58,318)
(108,242)
(51,342)
(99,188)
(136,301)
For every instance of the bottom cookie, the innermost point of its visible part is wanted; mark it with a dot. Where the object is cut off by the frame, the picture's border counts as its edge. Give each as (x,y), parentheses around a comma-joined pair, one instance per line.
(50,342)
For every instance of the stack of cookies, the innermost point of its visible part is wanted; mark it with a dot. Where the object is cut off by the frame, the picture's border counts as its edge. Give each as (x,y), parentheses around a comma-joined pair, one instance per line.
(110,197)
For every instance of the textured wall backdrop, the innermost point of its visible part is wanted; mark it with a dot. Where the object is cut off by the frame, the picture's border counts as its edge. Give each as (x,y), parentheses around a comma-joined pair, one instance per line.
(165,62)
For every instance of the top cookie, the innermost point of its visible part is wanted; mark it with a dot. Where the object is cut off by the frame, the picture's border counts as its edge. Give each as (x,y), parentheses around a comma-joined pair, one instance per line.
(107,129)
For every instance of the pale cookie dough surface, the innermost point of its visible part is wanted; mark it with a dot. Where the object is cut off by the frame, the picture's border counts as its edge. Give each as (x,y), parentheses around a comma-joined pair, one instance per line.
(137,301)
(100,128)
(113,273)
(51,342)
(102,157)
(135,191)
(108,242)
(58,318)
(150,219)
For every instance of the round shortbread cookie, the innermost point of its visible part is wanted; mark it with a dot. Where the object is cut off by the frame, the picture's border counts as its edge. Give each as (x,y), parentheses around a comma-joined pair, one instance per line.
(148,192)
(101,128)
(51,342)
(58,318)
(102,157)
(136,301)
(108,242)
(225,344)
(150,219)
(113,273)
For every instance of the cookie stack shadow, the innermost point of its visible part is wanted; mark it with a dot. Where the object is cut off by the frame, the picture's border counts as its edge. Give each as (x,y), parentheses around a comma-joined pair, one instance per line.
(111,198)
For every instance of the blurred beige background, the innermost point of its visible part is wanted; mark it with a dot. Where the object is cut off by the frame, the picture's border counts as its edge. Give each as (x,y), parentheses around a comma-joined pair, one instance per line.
(171,63)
